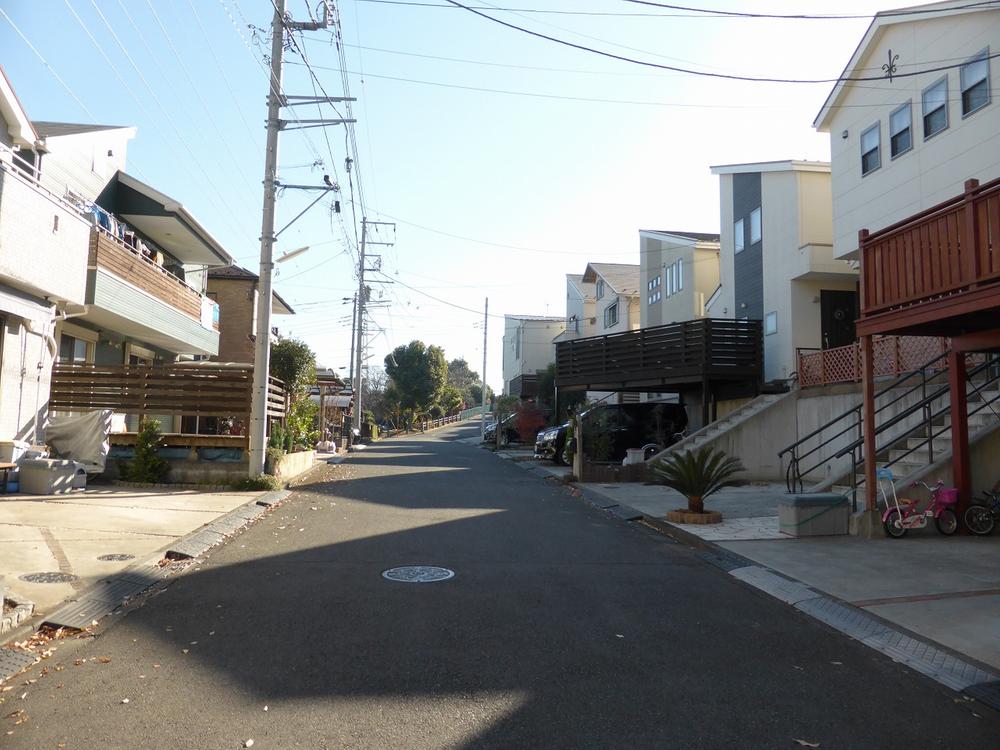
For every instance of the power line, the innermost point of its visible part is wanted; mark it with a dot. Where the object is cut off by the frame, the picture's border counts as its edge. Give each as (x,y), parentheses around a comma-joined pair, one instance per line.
(702,73)
(547,11)
(807,16)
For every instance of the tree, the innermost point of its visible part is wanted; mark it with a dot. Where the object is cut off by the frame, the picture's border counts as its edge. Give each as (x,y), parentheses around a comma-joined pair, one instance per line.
(451,399)
(697,474)
(293,362)
(476,392)
(419,374)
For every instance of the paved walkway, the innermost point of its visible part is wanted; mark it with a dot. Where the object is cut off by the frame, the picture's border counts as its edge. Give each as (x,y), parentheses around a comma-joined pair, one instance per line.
(85,536)
(946,589)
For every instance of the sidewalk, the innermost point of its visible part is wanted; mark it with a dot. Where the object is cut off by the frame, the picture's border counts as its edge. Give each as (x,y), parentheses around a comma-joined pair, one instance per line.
(944,589)
(54,546)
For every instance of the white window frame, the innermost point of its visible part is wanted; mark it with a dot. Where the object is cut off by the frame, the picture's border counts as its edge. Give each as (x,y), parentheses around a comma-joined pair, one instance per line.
(770,323)
(908,108)
(924,111)
(680,274)
(982,56)
(877,150)
(608,311)
(599,292)
(739,235)
(756,214)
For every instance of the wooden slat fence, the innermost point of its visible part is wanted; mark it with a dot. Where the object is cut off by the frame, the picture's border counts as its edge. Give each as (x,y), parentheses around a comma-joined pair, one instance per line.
(706,348)
(187,390)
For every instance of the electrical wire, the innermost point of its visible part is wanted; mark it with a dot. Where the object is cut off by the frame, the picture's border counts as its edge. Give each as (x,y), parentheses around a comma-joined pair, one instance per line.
(808,16)
(701,73)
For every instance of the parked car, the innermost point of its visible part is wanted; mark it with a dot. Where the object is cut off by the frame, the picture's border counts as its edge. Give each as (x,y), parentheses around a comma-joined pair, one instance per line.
(509,432)
(610,430)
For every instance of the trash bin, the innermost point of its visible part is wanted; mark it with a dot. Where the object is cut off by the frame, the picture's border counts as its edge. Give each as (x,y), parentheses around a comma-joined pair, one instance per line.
(815,514)
(46,476)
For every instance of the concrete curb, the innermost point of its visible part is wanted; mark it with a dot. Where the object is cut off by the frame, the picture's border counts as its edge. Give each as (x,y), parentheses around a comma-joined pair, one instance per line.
(108,596)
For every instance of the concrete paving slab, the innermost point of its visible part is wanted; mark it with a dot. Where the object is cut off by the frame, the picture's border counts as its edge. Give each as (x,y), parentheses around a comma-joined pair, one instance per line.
(790,592)
(968,625)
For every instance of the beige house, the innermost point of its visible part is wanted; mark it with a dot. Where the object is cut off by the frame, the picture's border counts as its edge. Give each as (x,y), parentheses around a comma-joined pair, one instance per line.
(678,273)
(777,261)
(234,289)
(580,302)
(616,296)
(904,144)
(527,349)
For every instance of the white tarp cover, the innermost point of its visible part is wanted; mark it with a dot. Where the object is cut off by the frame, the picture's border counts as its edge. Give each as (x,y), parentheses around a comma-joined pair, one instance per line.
(83,438)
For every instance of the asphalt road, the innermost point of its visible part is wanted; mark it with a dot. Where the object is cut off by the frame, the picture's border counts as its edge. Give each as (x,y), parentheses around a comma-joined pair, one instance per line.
(562,628)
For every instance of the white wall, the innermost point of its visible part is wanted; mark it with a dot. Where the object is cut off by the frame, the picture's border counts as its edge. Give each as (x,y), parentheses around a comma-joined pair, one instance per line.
(532,340)
(934,170)
(81,163)
(34,255)
(25,374)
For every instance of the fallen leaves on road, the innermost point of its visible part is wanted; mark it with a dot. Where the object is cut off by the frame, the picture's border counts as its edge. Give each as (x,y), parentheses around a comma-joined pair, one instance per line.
(806,743)
(104,660)
(125,700)
(184,650)
(79,662)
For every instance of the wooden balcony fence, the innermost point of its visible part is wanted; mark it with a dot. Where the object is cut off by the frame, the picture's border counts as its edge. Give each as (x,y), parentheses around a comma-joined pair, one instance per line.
(894,355)
(947,250)
(204,390)
(691,352)
(109,253)
(524,386)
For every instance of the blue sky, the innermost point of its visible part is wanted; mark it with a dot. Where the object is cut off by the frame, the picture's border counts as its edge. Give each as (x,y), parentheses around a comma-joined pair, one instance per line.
(496,192)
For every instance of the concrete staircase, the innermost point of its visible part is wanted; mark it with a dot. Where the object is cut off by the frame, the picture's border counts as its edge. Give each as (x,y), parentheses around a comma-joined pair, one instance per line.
(713,431)
(909,456)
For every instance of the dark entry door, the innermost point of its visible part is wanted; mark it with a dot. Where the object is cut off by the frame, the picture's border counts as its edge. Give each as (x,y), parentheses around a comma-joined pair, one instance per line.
(838,311)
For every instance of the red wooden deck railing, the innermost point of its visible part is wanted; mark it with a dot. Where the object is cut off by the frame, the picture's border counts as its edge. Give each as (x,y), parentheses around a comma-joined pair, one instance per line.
(893,356)
(951,248)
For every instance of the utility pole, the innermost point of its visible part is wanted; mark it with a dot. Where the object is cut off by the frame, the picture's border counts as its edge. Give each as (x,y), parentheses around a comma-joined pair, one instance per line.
(486,321)
(262,345)
(358,355)
(354,323)
(275,101)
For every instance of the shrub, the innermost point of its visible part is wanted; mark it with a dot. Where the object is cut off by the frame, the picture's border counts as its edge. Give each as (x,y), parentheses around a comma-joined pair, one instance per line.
(529,421)
(146,466)
(260,482)
(697,474)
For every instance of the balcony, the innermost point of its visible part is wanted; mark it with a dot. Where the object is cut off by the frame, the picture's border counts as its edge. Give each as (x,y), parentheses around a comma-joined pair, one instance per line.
(936,273)
(132,294)
(692,354)
(524,386)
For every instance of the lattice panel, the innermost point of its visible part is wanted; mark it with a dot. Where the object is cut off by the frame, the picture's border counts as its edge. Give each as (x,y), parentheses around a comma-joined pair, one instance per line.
(840,365)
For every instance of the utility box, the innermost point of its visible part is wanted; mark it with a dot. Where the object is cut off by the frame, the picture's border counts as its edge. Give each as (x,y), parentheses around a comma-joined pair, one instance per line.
(815,514)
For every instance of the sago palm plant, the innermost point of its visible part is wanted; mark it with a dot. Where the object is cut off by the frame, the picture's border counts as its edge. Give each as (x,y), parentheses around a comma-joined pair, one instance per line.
(697,474)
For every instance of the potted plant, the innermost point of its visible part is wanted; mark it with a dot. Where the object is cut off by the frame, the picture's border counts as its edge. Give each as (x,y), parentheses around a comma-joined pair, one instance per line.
(697,474)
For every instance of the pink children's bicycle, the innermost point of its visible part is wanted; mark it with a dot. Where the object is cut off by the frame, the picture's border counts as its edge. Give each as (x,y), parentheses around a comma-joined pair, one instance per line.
(901,514)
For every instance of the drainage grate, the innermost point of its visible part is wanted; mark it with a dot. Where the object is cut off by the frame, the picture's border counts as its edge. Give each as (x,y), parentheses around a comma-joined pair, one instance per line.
(116,557)
(418,574)
(48,577)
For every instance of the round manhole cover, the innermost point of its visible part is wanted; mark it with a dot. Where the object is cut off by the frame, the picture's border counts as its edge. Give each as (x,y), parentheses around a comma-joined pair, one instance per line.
(116,557)
(418,574)
(48,577)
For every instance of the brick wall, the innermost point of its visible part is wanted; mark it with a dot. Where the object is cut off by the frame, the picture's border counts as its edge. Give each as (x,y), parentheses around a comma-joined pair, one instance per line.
(236,318)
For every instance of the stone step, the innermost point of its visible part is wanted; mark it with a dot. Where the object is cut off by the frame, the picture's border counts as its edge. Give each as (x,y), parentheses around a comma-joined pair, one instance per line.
(942,443)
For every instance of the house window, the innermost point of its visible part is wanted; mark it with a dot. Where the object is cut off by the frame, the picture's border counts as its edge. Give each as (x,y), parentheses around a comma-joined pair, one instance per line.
(670,280)
(611,314)
(755,226)
(738,235)
(653,283)
(934,103)
(73,350)
(654,297)
(600,288)
(871,141)
(770,323)
(680,275)
(975,80)
(900,131)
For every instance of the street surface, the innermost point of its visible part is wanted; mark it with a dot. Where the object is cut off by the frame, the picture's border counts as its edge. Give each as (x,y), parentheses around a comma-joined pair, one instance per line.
(562,628)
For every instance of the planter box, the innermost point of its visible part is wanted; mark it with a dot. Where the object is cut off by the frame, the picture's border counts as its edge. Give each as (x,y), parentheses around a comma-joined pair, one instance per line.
(291,465)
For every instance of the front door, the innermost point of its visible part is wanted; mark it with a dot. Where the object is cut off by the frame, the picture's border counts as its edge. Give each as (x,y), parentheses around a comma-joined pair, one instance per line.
(838,311)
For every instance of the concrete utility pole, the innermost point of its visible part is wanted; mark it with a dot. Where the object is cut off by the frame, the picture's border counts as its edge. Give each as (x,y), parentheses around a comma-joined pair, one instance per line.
(359,345)
(262,347)
(275,101)
(486,320)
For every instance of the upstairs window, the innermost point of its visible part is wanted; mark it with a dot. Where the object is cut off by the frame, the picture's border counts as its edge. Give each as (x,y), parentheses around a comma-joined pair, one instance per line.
(680,275)
(871,141)
(934,103)
(900,131)
(600,288)
(975,79)
(738,235)
(611,314)
(755,235)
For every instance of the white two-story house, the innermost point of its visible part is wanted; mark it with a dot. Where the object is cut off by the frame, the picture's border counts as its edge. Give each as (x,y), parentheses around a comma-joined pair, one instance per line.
(616,296)
(528,349)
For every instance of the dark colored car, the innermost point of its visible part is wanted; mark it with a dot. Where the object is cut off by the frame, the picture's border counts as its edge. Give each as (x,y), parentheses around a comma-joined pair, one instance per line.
(509,432)
(610,430)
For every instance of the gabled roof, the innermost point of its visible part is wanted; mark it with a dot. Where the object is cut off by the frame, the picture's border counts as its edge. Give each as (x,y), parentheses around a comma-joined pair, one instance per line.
(19,127)
(543,318)
(622,277)
(238,273)
(785,165)
(47,129)
(694,236)
(585,288)
(879,24)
